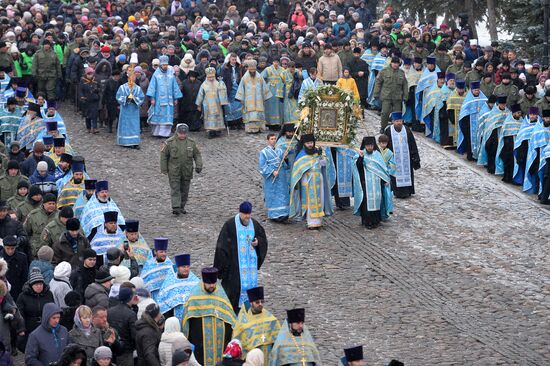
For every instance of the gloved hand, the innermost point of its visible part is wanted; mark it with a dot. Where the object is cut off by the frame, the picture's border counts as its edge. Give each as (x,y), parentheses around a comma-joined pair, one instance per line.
(198,170)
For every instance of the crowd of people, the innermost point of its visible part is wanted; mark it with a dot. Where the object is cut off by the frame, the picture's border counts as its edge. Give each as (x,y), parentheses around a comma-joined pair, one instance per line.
(78,282)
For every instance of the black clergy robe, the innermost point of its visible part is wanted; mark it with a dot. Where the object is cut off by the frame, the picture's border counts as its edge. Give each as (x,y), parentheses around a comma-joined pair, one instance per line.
(414,157)
(491,147)
(226,258)
(356,65)
(507,156)
(464,125)
(196,338)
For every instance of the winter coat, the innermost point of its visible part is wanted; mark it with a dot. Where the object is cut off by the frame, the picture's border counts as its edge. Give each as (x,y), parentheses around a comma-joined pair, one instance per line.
(147,341)
(45,268)
(89,96)
(169,342)
(45,183)
(88,343)
(46,344)
(96,294)
(81,278)
(59,287)
(35,222)
(63,250)
(28,167)
(8,185)
(16,271)
(9,226)
(31,304)
(122,318)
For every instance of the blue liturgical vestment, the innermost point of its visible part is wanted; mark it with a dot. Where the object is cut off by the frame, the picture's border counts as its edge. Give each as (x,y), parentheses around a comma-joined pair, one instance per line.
(128,131)
(276,189)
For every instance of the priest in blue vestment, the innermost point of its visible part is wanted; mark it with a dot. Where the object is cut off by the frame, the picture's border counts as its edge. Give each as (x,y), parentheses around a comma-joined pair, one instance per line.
(84,197)
(175,290)
(370,176)
(273,167)
(309,186)
(294,345)
(407,159)
(108,236)
(521,143)
(208,319)
(156,269)
(99,203)
(491,130)
(468,121)
(538,141)
(240,252)
(10,118)
(164,93)
(130,100)
(340,174)
(505,160)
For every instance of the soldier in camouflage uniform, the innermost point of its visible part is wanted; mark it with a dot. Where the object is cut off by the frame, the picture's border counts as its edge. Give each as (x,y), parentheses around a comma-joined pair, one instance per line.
(392,89)
(52,232)
(37,220)
(176,160)
(507,88)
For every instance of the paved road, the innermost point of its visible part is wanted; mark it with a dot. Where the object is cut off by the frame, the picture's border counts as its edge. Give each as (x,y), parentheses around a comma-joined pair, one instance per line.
(459,275)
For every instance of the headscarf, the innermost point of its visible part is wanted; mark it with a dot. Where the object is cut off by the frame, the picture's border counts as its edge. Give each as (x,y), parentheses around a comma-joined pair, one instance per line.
(255,358)
(233,350)
(172,325)
(78,323)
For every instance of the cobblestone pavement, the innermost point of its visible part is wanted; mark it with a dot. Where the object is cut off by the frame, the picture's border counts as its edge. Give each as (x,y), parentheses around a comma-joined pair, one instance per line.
(459,275)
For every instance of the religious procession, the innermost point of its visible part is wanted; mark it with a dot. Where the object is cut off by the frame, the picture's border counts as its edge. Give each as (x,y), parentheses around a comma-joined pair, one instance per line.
(80,284)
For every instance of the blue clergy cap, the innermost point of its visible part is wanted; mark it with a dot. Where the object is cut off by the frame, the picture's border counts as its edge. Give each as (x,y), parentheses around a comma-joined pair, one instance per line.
(396,116)
(102,185)
(209,275)
(475,85)
(163,60)
(77,167)
(161,243)
(430,60)
(183,260)
(450,76)
(407,61)
(460,84)
(48,140)
(245,207)
(354,353)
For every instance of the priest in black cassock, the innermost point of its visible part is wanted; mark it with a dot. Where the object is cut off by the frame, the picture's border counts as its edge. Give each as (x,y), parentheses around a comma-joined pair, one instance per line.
(240,251)
(406,156)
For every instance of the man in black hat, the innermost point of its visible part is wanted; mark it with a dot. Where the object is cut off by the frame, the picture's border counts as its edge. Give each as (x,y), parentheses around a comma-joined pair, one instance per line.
(240,237)
(97,293)
(529,99)
(109,236)
(490,134)
(508,89)
(85,273)
(84,197)
(37,220)
(391,89)
(310,178)
(256,327)
(505,160)
(353,356)
(294,344)
(407,159)
(18,264)
(134,245)
(216,313)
